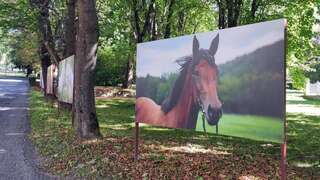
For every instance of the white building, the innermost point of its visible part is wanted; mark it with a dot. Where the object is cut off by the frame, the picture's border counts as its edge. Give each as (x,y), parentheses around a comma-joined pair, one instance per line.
(312,89)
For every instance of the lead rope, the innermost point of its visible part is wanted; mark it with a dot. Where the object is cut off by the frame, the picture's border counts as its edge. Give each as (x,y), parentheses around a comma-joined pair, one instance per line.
(203,117)
(204,123)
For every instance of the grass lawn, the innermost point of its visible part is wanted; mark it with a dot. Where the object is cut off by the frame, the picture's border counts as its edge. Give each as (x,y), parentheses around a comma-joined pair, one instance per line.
(247,126)
(166,153)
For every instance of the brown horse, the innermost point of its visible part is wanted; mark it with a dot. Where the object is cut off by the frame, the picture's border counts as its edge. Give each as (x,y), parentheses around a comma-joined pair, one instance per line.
(194,89)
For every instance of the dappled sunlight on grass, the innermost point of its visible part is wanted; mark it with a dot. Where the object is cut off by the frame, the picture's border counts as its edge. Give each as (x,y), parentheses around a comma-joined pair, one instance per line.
(303,143)
(303,120)
(191,148)
(126,125)
(297,103)
(249,177)
(102,106)
(166,153)
(92,141)
(305,164)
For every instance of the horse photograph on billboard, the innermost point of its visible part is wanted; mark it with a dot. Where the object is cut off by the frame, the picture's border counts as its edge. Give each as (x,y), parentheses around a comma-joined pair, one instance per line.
(231,78)
(195,88)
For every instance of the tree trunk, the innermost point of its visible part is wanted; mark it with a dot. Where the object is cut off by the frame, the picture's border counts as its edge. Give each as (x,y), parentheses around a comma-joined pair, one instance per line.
(230,17)
(139,33)
(70,39)
(221,23)
(128,74)
(70,30)
(167,30)
(86,122)
(135,22)
(236,12)
(181,22)
(45,63)
(232,7)
(153,24)
(195,26)
(254,8)
(53,53)
(147,20)
(46,36)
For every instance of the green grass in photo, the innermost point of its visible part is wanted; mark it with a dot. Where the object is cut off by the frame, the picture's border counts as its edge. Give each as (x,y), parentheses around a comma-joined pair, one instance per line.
(247,126)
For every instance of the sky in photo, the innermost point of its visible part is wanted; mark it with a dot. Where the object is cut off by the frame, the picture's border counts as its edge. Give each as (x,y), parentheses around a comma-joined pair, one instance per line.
(158,57)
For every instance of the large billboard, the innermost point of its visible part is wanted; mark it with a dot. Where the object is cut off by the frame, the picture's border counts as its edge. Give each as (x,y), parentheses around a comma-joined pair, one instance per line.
(312,89)
(66,76)
(231,78)
(41,80)
(51,76)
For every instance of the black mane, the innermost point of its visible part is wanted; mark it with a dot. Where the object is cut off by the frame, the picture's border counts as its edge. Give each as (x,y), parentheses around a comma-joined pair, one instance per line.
(175,92)
(185,63)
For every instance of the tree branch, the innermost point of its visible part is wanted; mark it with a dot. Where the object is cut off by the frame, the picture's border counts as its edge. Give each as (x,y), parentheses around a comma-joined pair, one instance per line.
(52,52)
(135,21)
(147,18)
(167,30)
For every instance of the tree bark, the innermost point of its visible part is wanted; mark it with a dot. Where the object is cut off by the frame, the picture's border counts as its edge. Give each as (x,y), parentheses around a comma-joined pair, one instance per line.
(195,26)
(45,63)
(86,122)
(70,30)
(254,8)
(53,53)
(46,35)
(167,30)
(153,24)
(147,20)
(236,12)
(70,38)
(181,22)
(221,23)
(232,7)
(139,33)
(135,22)
(128,74)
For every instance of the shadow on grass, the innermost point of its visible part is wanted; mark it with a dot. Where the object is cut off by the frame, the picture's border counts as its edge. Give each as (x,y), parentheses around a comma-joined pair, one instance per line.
(116,118)
(303,136)
(165,153)
(304,102)
(304,143)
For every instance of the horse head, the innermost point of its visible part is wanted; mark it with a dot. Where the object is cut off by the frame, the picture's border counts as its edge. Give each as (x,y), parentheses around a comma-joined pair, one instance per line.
(205,77)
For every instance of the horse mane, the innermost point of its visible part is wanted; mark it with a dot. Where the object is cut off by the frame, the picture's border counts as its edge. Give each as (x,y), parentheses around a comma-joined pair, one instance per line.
(175,92)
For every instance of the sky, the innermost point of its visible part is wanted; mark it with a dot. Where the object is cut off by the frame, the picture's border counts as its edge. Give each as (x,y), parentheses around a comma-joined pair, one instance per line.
(159,57)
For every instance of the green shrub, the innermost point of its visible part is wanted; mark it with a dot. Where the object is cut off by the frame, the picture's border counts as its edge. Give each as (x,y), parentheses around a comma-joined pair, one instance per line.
(110,69)
(298,78)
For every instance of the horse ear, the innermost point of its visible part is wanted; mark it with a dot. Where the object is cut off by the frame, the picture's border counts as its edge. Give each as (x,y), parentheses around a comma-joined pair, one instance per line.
(195,49)
(214,45)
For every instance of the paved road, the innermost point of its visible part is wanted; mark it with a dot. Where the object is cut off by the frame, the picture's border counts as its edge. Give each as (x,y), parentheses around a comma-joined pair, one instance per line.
(17,156)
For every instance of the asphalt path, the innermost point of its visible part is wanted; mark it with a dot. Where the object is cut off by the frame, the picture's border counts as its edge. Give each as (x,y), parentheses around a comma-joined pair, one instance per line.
(17,156)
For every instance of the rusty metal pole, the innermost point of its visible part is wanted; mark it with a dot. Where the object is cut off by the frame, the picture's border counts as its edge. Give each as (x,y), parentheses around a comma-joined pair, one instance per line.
(136,149)
(283,174)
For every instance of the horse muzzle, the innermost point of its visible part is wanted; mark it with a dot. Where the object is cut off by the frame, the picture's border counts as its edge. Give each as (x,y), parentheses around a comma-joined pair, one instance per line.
(214,115)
